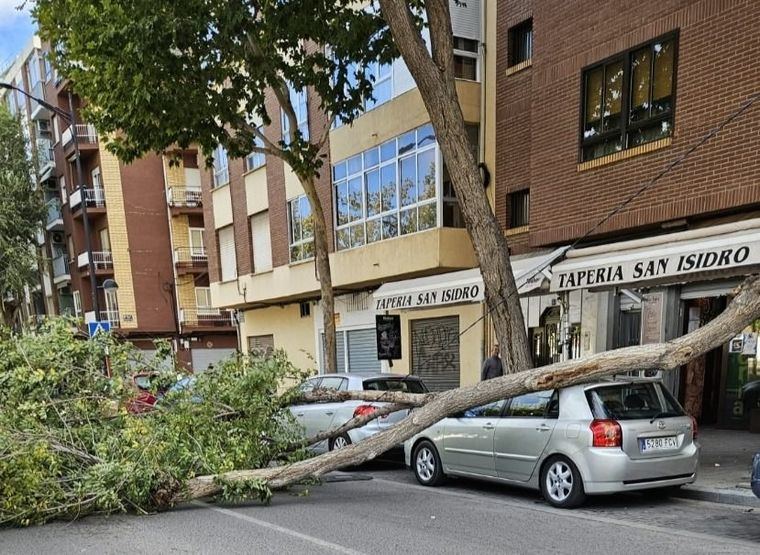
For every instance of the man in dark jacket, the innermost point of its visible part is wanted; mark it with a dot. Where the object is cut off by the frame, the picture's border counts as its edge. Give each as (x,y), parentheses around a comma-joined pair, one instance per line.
(492,367)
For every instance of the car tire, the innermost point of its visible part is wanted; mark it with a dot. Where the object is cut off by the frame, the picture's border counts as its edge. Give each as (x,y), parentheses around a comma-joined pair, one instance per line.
(339,442)
(561,483)
(426,464)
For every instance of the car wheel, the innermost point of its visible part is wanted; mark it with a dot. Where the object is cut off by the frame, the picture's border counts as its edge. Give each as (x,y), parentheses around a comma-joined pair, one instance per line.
(561,483)
(339,442)
(426,464)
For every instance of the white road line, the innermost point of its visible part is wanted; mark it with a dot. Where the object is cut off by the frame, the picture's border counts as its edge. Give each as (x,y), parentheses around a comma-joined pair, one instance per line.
(577,514)
(287,531)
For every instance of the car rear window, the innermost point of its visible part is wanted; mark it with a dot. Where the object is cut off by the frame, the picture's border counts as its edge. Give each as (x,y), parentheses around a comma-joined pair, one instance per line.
(632,401)
(403,385)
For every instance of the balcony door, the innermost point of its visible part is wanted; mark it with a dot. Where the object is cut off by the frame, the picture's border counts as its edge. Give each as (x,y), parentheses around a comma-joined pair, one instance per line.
(197,245)
(105,240)
(97,187)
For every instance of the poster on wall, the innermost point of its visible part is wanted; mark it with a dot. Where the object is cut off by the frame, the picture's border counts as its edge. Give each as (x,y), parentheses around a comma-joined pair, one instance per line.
(388,330)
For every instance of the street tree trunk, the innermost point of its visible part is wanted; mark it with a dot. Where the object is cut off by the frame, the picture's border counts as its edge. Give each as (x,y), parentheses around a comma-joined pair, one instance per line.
(435,80)
(744,309)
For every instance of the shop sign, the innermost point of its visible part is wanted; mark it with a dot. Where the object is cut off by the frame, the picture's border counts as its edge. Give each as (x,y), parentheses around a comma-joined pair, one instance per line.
(388,330)
(469,293)
(656,267)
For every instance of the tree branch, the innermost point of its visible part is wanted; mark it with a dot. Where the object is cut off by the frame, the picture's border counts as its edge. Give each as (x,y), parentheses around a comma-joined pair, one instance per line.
(356,422)
(332,395)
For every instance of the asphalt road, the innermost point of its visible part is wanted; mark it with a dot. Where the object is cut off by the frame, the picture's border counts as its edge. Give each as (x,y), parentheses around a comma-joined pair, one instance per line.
(390,513)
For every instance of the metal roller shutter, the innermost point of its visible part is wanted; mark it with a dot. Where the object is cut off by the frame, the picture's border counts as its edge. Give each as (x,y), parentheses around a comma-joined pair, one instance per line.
(340,347)
(435,352)
(202,358)
(362,352)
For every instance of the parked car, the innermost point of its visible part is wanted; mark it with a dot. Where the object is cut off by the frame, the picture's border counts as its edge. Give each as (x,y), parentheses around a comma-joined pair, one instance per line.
(143,398)
(604,437)
(755,479)
(320,417)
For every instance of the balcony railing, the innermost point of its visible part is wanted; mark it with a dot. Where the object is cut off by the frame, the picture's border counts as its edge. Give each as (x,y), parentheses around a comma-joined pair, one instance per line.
(102,260)
(207,317)
(86,134)
(190,256)
(53,212)
(95,198)
(182,196)
(110,316)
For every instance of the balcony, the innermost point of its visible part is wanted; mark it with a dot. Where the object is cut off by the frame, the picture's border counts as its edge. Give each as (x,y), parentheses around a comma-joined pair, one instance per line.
(61,270)
(45,158)
(102,260)
(189,260)
(87,139)
(94,198)
(54,217)
(206,318)
(38,110)
(110,316)
(183,200)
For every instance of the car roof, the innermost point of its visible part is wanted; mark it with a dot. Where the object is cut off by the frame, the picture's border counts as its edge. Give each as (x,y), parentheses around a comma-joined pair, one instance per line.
(374,376)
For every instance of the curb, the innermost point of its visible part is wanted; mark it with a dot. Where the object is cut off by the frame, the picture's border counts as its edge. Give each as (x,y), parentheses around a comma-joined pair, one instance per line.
(717,495)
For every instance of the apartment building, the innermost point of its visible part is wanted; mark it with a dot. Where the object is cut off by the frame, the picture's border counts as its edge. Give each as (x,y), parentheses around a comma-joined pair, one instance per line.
(126,244)
(593,101)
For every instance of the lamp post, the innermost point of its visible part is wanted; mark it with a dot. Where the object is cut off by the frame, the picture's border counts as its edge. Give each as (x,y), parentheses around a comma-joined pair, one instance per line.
(71,118)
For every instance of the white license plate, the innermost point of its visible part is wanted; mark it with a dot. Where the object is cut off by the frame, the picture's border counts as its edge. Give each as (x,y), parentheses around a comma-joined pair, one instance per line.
(658,444)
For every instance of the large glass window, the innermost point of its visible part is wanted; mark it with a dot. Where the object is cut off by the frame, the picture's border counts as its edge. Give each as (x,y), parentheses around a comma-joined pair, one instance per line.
(221,167)
(299,99)
(388,190)
(300,229)
(628,101)
(255,160)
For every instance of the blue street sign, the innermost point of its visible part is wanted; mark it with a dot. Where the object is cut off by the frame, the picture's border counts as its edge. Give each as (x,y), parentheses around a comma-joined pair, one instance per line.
(94,328)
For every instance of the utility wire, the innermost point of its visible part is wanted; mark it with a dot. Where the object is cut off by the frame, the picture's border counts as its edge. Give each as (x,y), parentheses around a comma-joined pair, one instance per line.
(677,161)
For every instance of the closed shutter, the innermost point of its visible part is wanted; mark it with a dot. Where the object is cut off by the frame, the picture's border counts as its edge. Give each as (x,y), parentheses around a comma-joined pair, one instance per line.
(465,19)
(261,345)
(435,352)
(362,352)
(202,358)
(227,257)
(262,242)
(340,347)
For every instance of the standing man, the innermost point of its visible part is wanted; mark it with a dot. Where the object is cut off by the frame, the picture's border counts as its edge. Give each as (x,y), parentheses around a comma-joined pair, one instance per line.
(492,367)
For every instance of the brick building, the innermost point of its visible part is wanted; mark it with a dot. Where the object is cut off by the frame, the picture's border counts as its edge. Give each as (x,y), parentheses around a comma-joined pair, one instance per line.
(593,100)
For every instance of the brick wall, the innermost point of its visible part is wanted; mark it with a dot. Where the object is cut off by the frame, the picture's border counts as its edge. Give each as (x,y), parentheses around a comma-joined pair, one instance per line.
(538,114)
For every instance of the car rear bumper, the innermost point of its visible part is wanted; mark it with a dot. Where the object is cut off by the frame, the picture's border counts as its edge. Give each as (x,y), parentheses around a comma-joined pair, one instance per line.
(611,470)
(365,432)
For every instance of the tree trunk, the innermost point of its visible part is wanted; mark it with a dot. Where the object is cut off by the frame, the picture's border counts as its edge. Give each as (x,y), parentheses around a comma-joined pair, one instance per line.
(324,274)
(435,81)
(744,309)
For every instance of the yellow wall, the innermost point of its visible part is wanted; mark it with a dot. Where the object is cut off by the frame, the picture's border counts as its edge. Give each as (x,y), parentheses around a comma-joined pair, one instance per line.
(180,229)
(117,229)
(222,202)
(175,173)
(186,293)
(256,195)
(290,331)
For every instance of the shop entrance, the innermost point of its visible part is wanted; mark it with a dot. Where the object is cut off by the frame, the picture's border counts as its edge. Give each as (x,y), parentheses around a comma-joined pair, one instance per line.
(545,340)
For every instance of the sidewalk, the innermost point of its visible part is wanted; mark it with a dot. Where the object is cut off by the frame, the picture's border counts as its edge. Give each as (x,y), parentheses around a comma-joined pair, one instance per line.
(724,468)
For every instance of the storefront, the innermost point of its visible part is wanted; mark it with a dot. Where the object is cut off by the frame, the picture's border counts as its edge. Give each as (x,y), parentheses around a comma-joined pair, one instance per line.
(655,289)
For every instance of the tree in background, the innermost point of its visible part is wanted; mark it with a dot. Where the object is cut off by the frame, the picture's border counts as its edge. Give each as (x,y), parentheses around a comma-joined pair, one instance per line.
(21,215)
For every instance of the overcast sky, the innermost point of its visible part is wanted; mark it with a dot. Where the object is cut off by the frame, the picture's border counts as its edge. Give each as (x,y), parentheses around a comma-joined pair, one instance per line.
(16,28)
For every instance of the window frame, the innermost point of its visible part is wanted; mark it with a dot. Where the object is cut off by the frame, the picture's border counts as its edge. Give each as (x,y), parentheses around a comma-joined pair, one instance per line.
(511,32)
(626,127)
(301,109)
(511,196)
(256,160)
(508,406)
(292,242)
(220,153)
(206,293)
(472,54)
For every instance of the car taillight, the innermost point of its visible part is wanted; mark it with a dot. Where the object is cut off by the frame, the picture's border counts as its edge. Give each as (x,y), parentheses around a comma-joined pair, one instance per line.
(694,427)
(363,410)
(607,433)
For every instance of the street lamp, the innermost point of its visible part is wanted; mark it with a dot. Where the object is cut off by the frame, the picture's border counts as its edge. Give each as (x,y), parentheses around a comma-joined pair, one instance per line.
(71,118)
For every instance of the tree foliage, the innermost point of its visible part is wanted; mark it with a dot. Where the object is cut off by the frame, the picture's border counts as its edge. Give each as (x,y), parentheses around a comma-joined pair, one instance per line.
(68,446)
(21,213)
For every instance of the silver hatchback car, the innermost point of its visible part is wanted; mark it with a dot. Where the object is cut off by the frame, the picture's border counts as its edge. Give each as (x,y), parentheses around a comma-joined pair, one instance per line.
(605,437)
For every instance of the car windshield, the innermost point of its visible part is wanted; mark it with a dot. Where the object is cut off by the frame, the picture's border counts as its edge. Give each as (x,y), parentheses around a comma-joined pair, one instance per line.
(403,385)
(142,381)
(631,401)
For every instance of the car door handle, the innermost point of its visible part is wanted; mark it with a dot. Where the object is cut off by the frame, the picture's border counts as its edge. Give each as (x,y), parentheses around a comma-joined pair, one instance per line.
(488,426)
(329,413)
(543,428)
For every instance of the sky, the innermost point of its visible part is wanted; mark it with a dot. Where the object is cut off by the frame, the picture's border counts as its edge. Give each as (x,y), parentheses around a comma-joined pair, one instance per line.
(16,28)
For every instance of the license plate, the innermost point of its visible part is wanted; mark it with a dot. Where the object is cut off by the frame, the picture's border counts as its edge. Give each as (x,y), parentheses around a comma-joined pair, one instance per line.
(658,444)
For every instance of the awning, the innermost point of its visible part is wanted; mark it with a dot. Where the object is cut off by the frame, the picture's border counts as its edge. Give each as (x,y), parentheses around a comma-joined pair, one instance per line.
(717,251)
(463,286)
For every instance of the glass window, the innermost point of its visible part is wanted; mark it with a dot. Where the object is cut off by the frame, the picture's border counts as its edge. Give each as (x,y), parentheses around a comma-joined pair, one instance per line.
(221,167)
(491,410)
(632,401)
(256,160)
(332,382)
(648,98)
(530,405)
(465,59)
(402,384)
(301,229)
(309,385)
(520,43)
(519,208)
(382,84)
(299,100)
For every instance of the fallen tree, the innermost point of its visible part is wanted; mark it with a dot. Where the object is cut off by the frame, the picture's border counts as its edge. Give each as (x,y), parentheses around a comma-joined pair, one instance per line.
(743,309)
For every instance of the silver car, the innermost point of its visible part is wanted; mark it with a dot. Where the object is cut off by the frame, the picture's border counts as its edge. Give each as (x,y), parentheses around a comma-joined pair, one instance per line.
(605,437)
(320,417)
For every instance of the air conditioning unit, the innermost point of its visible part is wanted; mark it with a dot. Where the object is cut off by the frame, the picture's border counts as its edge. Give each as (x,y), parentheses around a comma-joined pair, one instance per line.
(57,237)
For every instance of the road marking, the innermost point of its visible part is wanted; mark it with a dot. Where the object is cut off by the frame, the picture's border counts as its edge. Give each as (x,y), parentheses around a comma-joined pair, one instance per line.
(577,514)
(287,531)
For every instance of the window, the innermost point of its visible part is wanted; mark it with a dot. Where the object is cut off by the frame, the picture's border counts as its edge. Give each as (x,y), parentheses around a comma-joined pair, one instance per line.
(465,59)
(332,382)
(394,384)
(261,345)
(632,401)
(305,309)
(227,256)
(221,167)
(299,100)
(261,242)
(519,208)
(77,303)
(484,411)
(300,229)
(382,86)
(203,298)
(197,244)
(388,190)
(256,160)
(33,67)
(628,101)
(530,405)
(520,45)
(309,385)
